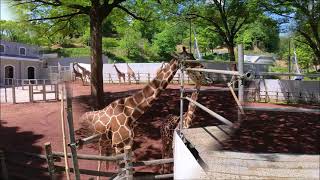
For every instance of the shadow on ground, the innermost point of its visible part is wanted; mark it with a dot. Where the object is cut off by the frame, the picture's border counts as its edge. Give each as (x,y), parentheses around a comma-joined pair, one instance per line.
(13,142)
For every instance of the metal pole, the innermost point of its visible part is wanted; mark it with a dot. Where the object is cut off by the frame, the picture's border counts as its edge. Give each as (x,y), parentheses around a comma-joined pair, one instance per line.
(71,134)
(181,96)
(240,69)
(289,59)
(190,44)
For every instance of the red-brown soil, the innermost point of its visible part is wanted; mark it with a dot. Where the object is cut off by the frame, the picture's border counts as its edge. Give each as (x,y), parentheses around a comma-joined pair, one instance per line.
(26,127)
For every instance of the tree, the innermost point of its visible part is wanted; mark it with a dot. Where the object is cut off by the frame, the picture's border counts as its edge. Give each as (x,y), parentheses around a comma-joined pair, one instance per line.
(97,11)
(226,16)
(305,14)
(263,33)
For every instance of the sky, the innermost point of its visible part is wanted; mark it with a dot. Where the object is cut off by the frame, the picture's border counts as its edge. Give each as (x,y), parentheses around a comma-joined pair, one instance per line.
(6,11)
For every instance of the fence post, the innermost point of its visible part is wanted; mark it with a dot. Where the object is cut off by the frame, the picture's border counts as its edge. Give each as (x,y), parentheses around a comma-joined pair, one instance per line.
(138,78)
(277,96)
(13,94)
(178,78)
(56,90)
(128,162)
(22,84)
(50,161)
(44,92)
(5,93)
(148,77)
(30,94)
(288,96)
(71,134)
(4,170)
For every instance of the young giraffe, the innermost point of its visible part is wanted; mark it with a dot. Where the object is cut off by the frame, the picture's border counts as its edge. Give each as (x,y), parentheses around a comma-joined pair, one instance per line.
(131,74)
(120,74)
(77,73)
(170,124)
(85,73)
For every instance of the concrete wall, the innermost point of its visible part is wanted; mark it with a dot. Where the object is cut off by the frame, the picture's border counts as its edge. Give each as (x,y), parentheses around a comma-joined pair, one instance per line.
(185,165)
(283,90)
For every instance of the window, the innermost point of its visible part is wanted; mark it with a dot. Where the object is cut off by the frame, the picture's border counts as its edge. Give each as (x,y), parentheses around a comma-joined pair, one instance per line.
(1,48)
(22,51)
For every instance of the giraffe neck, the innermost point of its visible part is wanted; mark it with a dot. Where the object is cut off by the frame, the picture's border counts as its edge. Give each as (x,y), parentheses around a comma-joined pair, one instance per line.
(74,69)
(82,68)
(143,100)
(189,115)
(117,69)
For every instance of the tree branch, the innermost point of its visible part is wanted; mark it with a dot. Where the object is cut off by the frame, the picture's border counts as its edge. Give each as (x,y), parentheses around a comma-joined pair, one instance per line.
(57,17)
(130,13)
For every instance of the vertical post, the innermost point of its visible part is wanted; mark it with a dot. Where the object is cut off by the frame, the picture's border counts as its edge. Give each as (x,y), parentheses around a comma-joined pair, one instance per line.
(181,95)
(44,92)
(5,93)
(4,170)
(138,77)
(30,94)
(289,59)
(13,94)
(71,134)
(240,81)
(179,78)
(148,77)
(128,162)
(240,69)
(190,41)
(56,90)
(50,161)
(63,129)
(22,84)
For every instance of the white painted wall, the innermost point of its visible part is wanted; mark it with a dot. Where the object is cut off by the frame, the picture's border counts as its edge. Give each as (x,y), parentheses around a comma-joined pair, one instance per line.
(307,89)
(185,165)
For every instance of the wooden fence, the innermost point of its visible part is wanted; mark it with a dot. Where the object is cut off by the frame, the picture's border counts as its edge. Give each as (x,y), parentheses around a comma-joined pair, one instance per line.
(11,93)
(141,78)
(53,170)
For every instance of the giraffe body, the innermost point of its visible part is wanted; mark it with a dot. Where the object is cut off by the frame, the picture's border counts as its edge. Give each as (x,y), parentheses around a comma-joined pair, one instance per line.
(120,74)
(131,74)
(85,73)
(168,127)
(77,73)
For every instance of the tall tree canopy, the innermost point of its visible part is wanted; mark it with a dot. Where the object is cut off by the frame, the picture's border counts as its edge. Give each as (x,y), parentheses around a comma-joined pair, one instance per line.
(227,17)
(306,16)
(97,11)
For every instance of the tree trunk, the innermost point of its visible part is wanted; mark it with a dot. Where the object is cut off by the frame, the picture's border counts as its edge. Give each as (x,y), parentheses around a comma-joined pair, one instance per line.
(96,58)
(230,47)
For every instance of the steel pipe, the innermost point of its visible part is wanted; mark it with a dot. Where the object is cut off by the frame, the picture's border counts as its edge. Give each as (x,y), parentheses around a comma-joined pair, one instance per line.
(212,113)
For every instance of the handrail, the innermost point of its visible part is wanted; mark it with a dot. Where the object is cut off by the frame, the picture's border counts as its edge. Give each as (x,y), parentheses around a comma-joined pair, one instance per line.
(212,113)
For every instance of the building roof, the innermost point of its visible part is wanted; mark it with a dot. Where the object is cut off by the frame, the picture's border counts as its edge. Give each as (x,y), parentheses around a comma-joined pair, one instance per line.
(19,58)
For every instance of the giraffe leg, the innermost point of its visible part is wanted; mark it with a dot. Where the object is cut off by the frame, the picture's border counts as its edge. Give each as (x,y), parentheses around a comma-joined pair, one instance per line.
(100,154)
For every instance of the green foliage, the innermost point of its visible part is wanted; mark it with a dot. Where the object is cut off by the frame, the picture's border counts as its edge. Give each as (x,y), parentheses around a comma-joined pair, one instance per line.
(262,33)
(165,42)
(74,52)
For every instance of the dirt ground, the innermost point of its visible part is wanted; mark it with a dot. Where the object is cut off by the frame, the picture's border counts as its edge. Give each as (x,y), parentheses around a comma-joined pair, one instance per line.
(26,127)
